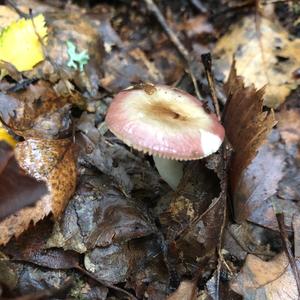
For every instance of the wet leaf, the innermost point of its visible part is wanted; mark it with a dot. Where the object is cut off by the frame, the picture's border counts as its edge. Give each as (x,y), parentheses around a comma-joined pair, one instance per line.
(38,111)
(265,56)
(131,172)
(261,280)
(191,219)
(99,215)
(17,189)
(118,262)
(52,161)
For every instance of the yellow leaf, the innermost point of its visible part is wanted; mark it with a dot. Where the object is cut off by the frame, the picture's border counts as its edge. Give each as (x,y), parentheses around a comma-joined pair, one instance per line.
(20,45)
(5,136)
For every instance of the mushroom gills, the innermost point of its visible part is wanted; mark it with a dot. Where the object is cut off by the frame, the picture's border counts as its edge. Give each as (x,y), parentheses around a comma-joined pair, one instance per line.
(170,170)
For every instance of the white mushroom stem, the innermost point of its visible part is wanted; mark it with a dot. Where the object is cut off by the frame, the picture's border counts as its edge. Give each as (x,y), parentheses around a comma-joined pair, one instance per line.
(170,170)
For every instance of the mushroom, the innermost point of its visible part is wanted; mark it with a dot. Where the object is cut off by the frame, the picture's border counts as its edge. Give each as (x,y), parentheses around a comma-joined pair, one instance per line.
(167,123)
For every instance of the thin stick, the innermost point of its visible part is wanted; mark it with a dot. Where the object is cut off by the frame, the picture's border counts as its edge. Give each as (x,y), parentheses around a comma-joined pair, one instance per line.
(287,248)
(105,283)
(206,60)
(152,7)
(12,4)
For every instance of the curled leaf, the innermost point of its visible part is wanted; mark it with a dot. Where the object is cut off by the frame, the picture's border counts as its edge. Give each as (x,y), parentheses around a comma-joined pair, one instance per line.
(49,160)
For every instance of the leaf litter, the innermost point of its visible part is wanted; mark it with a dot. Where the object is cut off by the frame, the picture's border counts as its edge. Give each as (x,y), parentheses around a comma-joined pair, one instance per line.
(109,227)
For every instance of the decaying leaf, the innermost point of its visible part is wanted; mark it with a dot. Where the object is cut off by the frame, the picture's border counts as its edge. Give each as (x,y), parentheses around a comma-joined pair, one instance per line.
(38,111)
(49,160)
(296,228)
(17,189)
(261,280)
(185,291)
(20,44)
(82,30)
(265,56)
(272,178)
(99,215)
(246,125)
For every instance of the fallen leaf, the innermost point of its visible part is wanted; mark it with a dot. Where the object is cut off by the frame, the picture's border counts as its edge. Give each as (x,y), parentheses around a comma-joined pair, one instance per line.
(296,228)
(266,280)
(49,160)
(82,30)
(20,33)
(7,16)
(245,122)
(185,291)
(17,190)
(191,218)
(265,56)
(118,262)
(6,137)
(99,215)
(272,178)
(131,172)
(38,111)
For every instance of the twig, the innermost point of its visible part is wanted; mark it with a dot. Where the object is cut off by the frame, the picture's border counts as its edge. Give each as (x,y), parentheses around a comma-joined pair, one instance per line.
(288,249)
(152,7)
(105,283)
(198,4)
(206,60)
(12,4)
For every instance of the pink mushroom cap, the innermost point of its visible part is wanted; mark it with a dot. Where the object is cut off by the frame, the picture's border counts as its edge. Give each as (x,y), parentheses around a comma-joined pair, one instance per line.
(164,121)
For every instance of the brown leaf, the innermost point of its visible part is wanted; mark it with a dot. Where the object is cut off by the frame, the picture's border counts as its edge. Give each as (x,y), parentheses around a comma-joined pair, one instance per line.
(99,215)
(49,160)
(38,111)
(296,228)
(261,280)
(246,125)
(185,291)
(196,26)
(192,218)
(83,31)
(31,247)
(17,189)
(265,56)
(272,178)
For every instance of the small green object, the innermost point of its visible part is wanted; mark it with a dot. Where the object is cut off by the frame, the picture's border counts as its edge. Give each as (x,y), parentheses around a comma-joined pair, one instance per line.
(76,59)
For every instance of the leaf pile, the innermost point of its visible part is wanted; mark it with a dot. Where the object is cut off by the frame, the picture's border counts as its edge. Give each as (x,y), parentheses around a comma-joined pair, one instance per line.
(84,216)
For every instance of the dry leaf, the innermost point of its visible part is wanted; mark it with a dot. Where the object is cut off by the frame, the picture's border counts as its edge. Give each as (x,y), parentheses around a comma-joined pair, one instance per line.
(245,123)
(273,176)
(265,56)
(261,280)
(49,160)
(185,291)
